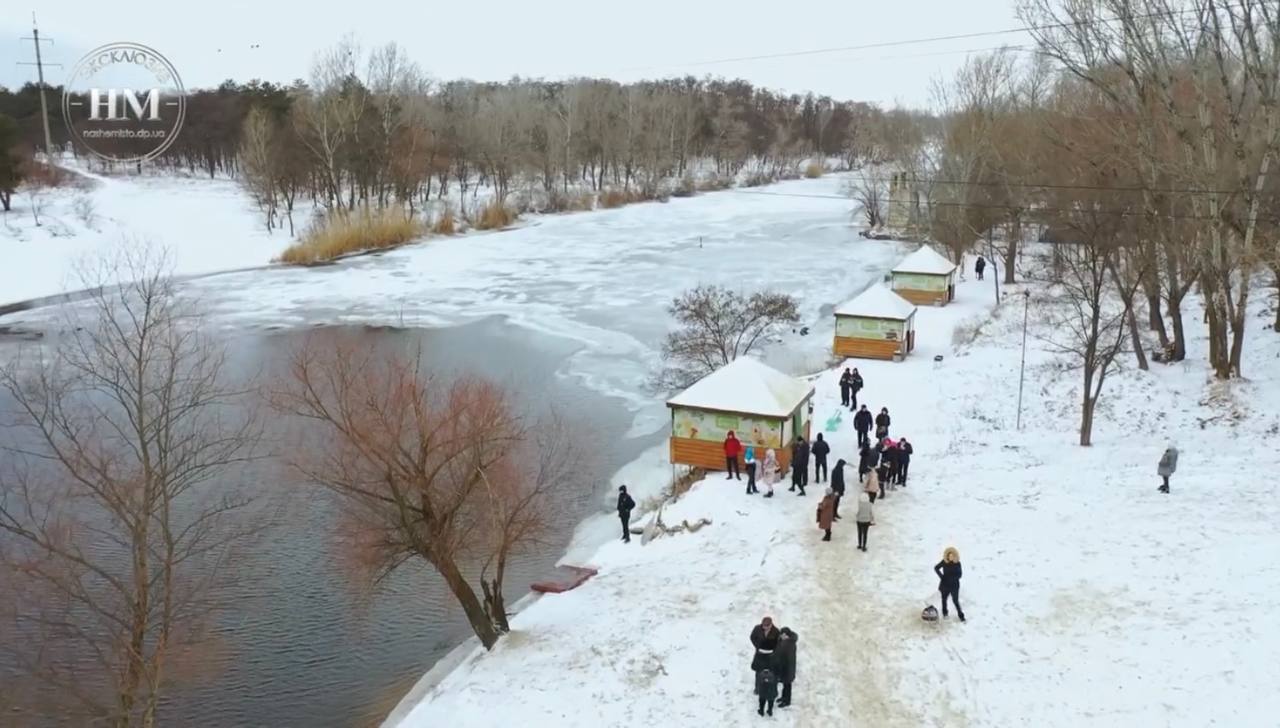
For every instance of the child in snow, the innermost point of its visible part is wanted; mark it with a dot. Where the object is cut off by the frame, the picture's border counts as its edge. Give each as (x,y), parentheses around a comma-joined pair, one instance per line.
(770,471)
(749,458)
(767,688)
(1168,464)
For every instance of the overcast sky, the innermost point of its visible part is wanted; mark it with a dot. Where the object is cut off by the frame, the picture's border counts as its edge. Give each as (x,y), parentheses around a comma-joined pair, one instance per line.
(210,41)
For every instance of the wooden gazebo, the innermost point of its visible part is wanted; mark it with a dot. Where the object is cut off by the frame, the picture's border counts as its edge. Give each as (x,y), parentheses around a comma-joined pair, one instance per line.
(762,406)
(925,277)
(878,324)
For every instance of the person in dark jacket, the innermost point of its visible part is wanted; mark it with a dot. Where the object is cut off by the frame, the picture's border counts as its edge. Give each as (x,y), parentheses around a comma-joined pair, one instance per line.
(786,664)
(862,423)
(837,485)
(904,460)
(1166,467)
(882,470)
(764,638)
(855,386)
(625,504)
(890,458)
(980,266)
(767,689)
(799,465)
(820,450)
(732,448)
(846,384)
(949,572)
(882,423)
(867,461)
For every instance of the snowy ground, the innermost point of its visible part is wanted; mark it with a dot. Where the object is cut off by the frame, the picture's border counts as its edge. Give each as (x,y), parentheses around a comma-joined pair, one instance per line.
(206,226)
(1092,599)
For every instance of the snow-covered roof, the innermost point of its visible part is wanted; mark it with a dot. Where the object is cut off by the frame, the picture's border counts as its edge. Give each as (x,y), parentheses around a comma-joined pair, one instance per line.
(745,385)
(878,302)
(925,260)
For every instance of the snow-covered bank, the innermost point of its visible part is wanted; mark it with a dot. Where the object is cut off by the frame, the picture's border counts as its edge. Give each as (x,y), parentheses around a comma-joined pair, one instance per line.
(1091,597)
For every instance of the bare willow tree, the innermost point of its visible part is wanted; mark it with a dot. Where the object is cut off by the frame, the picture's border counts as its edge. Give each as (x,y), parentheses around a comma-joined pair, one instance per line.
(446,473)
(718,325)
(118,506)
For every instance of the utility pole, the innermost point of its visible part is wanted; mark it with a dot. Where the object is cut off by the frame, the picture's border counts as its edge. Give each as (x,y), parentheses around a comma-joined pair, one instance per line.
(36,40)
(995,269)
(1022,371)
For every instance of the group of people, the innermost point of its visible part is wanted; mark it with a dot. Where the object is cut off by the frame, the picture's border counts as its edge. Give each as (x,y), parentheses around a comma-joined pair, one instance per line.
(802,451)
(774,663)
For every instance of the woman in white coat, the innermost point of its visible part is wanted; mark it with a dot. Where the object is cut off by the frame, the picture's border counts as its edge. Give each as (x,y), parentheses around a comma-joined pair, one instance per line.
(864,518)
(770,471)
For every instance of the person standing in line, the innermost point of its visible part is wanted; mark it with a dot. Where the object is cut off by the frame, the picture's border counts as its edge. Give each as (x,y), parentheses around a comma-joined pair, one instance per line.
(862,423)
(866,461)
(904,460)
(820,450)
(749,459)
(864,519)
(949,572)
(882,470)
(797,470)
(890,459)
(826,509)
(855,386)
(625,505)
(786,662)
(767,689)
(1167,466)
(764,638)
(871,486)
(804,460)
(846,384)
(980,266)
(837,485)
(882,423)
(732,448)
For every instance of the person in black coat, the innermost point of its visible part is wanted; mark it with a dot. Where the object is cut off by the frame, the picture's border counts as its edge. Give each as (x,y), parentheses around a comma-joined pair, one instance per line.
(855,386)
(980,266)
(882,423)
(785,664)
(764,638)
(837,486)
(846,384)
(890,459)
(868,460)
(820,450)
(862,423)
(904,460)
(882,469)
(625,504)
(949,572)
(799,465)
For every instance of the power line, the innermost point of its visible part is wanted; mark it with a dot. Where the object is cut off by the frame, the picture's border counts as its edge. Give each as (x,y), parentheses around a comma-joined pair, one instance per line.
(1052,186)
(984,206)
(916,41)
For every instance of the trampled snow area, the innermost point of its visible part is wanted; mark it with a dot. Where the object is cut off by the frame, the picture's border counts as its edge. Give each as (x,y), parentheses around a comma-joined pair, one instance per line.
(205,225)
(1092,599)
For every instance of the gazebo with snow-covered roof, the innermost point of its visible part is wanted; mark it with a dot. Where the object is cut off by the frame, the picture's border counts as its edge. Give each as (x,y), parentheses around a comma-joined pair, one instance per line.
(925,277)
(878,324)
(762,406)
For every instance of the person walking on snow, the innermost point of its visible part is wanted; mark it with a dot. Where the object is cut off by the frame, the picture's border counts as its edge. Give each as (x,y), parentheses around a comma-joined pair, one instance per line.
(1168,464)
(890,459)
(864,519)
(837,486)
(786,662)
(767,689)
(770,471)
(862,423)
(749,458)
(871,486)
(980,266)
(846,384)
(826,511)
(625,504)
(882,423)
(855,386)
(799,465)
(764,638)
(732,448)
(949,571)
(820,450)
(904,460)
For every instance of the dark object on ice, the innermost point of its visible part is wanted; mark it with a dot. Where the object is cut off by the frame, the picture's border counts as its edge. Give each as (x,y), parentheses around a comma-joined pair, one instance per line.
(804,331)
(930,614)
(937,357)
(575,578)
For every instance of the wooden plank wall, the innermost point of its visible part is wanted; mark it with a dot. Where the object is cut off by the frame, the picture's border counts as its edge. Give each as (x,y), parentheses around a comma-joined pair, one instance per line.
(866,348)
(710,455)
(922,298)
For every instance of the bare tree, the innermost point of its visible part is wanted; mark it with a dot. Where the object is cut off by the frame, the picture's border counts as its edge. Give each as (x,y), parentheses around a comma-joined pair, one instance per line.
(868,191)
(430,470)
(718,325)
(117,526)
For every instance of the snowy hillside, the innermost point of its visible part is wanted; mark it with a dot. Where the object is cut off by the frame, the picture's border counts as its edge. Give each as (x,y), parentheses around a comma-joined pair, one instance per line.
(1092,599)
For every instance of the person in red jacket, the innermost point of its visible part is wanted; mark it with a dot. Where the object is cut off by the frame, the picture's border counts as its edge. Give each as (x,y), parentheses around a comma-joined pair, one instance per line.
(732,448)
